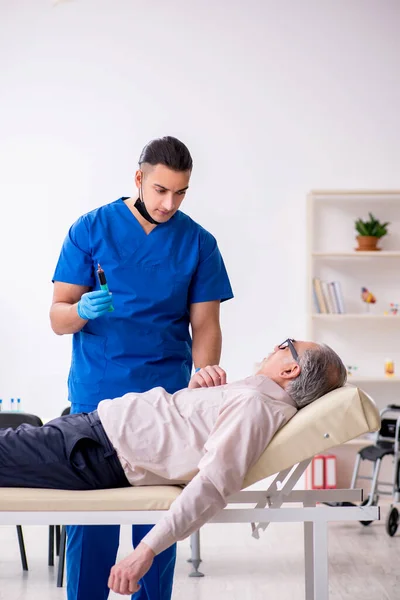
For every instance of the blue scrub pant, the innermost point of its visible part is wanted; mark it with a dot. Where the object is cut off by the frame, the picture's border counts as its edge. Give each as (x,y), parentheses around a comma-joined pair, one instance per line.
(92,551)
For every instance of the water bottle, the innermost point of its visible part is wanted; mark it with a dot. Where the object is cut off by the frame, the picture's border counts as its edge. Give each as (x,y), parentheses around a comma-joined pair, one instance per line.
(1,404)
(18,404)
(12,404)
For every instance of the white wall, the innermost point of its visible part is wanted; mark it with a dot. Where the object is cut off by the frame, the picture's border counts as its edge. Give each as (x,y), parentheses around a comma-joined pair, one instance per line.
(272,98)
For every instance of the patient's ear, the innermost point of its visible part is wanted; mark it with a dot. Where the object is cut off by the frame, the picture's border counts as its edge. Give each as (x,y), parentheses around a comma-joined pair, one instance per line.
(291,371)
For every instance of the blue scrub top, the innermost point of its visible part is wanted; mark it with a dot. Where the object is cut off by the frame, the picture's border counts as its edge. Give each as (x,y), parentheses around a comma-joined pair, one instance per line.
(154,278)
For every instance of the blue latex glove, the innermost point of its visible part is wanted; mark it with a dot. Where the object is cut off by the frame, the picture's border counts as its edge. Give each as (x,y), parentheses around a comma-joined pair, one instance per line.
(94,304)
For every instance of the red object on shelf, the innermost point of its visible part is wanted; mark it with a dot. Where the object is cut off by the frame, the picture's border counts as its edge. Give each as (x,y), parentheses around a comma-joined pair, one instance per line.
(315,473)
(321,473)
(330,472)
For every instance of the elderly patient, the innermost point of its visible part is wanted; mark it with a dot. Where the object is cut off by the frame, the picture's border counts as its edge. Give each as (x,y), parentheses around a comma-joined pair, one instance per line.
(207,437)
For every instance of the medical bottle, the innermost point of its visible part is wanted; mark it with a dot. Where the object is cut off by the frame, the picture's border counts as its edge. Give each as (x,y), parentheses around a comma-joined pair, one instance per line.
(389,367)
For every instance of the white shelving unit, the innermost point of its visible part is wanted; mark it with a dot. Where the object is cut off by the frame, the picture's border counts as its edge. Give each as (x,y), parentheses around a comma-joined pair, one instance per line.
(363,339)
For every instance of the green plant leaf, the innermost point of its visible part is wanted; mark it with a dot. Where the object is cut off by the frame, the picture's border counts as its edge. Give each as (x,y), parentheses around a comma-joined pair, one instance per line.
(372,227)
(361,228)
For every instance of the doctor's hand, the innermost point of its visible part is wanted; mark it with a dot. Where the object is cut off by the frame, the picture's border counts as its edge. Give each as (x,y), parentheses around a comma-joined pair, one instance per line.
(208,377)
(94,304)
(124,576)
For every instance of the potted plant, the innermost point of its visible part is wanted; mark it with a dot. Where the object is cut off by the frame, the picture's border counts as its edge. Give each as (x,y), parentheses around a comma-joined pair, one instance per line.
(369,232)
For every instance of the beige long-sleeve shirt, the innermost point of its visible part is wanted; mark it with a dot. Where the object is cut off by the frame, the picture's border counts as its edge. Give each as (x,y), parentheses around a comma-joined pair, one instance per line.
(207,438)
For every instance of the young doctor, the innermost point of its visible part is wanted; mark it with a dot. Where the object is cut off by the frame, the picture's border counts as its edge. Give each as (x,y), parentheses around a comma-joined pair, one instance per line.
(165,274)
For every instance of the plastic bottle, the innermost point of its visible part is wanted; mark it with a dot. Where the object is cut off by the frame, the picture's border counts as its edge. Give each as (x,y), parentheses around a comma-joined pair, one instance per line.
(18,404)
(389,367)
(1,404)
(12,404)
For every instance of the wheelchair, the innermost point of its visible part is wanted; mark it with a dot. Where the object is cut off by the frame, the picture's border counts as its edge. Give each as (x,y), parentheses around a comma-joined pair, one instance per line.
(386,444)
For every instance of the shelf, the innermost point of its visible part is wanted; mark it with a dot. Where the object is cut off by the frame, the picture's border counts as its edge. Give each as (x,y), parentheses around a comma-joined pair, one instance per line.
(355,379)
(345,195)
(362,336)
(360,441)
(378,254)
(355,316)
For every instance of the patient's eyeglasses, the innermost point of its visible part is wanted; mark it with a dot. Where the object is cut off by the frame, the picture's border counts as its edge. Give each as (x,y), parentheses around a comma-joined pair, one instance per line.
(289,342)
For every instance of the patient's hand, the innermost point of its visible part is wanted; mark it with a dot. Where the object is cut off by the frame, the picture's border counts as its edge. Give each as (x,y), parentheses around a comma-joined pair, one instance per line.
(124,576)
(208,377)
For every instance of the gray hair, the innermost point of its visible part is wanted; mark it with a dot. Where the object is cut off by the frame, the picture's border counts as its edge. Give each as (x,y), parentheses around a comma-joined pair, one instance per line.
(321,372)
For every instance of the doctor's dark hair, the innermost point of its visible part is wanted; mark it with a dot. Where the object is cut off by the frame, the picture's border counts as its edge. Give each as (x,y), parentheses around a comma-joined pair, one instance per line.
(167,151)
(322,371)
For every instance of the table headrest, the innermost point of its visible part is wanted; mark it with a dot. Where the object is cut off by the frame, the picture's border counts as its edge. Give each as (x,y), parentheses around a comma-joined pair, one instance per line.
(333,419)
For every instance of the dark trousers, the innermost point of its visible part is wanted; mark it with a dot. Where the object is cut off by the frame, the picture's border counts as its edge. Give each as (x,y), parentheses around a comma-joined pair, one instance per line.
(68,453)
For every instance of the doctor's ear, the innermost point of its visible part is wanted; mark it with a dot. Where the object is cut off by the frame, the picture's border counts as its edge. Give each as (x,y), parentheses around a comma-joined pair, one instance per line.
(139,178)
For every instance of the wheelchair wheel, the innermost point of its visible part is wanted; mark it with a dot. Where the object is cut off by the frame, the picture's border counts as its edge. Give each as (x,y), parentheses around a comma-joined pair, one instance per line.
(363,503)
(392,521)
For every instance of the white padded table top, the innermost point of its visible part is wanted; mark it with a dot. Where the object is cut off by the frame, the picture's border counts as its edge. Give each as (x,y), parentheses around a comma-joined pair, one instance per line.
(332,420)
(130,498)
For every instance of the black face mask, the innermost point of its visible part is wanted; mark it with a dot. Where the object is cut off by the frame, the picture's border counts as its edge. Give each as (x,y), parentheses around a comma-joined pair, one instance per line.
(141,208)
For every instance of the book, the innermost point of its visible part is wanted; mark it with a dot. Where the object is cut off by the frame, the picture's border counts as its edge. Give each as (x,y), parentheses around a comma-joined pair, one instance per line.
(320,296)
(315,473)
(315,300)
(330,471)
(332,295)
(327,297)
(321,473)
(339,296)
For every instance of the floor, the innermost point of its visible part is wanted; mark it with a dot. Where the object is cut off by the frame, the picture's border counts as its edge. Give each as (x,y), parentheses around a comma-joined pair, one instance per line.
(364,564)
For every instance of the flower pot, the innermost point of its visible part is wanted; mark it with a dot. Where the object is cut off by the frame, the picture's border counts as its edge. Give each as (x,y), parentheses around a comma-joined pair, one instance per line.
(367,243)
